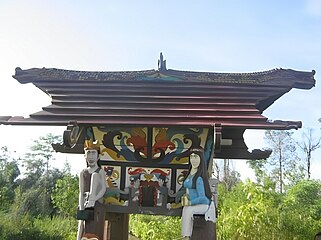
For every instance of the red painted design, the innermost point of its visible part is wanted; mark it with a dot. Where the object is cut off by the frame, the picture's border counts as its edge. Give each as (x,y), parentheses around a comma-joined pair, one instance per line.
(162,142)
(138,140)
(136,171)
(161,172)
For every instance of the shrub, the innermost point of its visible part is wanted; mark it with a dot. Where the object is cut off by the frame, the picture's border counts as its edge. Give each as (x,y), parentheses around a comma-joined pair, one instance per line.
(149,227)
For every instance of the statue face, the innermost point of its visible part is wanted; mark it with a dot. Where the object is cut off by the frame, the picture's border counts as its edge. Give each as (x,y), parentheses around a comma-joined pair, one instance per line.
(195,160)
(91,156)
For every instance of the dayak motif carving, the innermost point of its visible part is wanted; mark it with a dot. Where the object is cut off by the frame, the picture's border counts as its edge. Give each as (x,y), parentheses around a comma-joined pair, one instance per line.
(145,167)
(166,145)
(71,134)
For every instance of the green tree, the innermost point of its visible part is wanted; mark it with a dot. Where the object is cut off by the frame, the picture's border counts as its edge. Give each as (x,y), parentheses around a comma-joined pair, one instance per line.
(248,211)
(300,211)
(283,162)
(37,161)
(262,176)
(65,195)
(9,171)
(34,192)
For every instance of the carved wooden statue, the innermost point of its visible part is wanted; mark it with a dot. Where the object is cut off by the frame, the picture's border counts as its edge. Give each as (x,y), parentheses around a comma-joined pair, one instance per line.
(92,187)
(198,196)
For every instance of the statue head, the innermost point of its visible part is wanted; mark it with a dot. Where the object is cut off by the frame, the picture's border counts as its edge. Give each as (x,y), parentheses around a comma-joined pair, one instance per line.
(91,152)
(89,236)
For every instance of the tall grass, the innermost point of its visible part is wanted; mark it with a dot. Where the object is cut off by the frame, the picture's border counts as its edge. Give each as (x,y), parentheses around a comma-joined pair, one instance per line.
(26,228)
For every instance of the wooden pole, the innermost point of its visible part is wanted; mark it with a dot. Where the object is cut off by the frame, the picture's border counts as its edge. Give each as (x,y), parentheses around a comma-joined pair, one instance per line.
(117,226)
(203,229)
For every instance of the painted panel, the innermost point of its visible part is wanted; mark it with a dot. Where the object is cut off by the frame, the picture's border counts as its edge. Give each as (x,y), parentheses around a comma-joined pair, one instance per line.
(150,145)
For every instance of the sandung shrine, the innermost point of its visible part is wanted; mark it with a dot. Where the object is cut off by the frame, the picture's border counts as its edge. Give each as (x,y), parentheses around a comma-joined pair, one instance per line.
(147,121)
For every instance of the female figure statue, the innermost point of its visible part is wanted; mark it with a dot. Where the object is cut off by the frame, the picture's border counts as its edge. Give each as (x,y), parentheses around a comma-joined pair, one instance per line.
(198,196)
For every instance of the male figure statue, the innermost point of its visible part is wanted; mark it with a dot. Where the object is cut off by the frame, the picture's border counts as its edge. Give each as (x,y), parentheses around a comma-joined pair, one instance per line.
(92,187)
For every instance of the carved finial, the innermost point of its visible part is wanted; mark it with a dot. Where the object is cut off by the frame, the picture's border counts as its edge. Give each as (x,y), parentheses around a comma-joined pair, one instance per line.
(161,63)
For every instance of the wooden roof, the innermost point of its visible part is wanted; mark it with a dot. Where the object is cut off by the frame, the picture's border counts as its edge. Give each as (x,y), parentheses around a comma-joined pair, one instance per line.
(164,97)
(160,97)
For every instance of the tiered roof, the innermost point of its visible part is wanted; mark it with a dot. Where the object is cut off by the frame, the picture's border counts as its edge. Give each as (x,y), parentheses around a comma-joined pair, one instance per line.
(160,98)
(164,97)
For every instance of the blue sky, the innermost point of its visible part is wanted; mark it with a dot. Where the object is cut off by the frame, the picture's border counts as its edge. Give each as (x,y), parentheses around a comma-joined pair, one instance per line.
(216,36)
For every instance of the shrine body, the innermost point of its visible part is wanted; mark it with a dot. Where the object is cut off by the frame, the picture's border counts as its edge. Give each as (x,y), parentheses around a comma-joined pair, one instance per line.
(146,123)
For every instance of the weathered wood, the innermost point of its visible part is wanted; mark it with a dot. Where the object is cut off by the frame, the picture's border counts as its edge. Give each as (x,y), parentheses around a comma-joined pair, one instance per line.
(117,226)
(203,229)
(96,226)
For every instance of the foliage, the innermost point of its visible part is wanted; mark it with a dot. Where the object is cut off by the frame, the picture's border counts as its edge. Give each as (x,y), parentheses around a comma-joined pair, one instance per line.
(252,211)
(246,212)
(283,168)
(45,201)
(26,227)
(65,195)
(301,209)
(32,214)
(37,161)
(283,160)
(36,200)
(9,171)
(33,196)
(148,227)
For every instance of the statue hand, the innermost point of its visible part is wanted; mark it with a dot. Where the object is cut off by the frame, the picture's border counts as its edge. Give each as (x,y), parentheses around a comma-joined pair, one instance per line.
(185,201)
(89,204)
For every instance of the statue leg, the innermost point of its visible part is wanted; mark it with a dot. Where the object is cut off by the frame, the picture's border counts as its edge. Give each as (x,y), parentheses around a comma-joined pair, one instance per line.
(187,217)
(80,229)
(95,180)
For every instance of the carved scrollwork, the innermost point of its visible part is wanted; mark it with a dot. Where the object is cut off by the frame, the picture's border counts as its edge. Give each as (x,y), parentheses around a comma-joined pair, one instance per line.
(108,141)
(195,142)
(71,134)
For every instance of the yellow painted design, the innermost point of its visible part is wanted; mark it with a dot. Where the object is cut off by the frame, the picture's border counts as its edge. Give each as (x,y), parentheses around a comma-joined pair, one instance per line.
(180,161)
(114,176)
(112,154)
(176,205)
(113,201)
(138,132)
(98,134)
(148,177)
(89,144)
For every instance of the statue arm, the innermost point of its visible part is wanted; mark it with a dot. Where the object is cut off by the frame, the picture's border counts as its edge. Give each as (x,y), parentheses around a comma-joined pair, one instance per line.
(81,192)
(102,191)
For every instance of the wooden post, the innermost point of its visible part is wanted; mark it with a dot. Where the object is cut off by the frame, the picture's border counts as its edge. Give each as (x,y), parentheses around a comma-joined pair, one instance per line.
(95,225)
(203,229)
(117,226)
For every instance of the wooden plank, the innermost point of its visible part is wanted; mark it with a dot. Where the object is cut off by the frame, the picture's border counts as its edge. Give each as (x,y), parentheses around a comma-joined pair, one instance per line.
(203,230)
(117,226)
